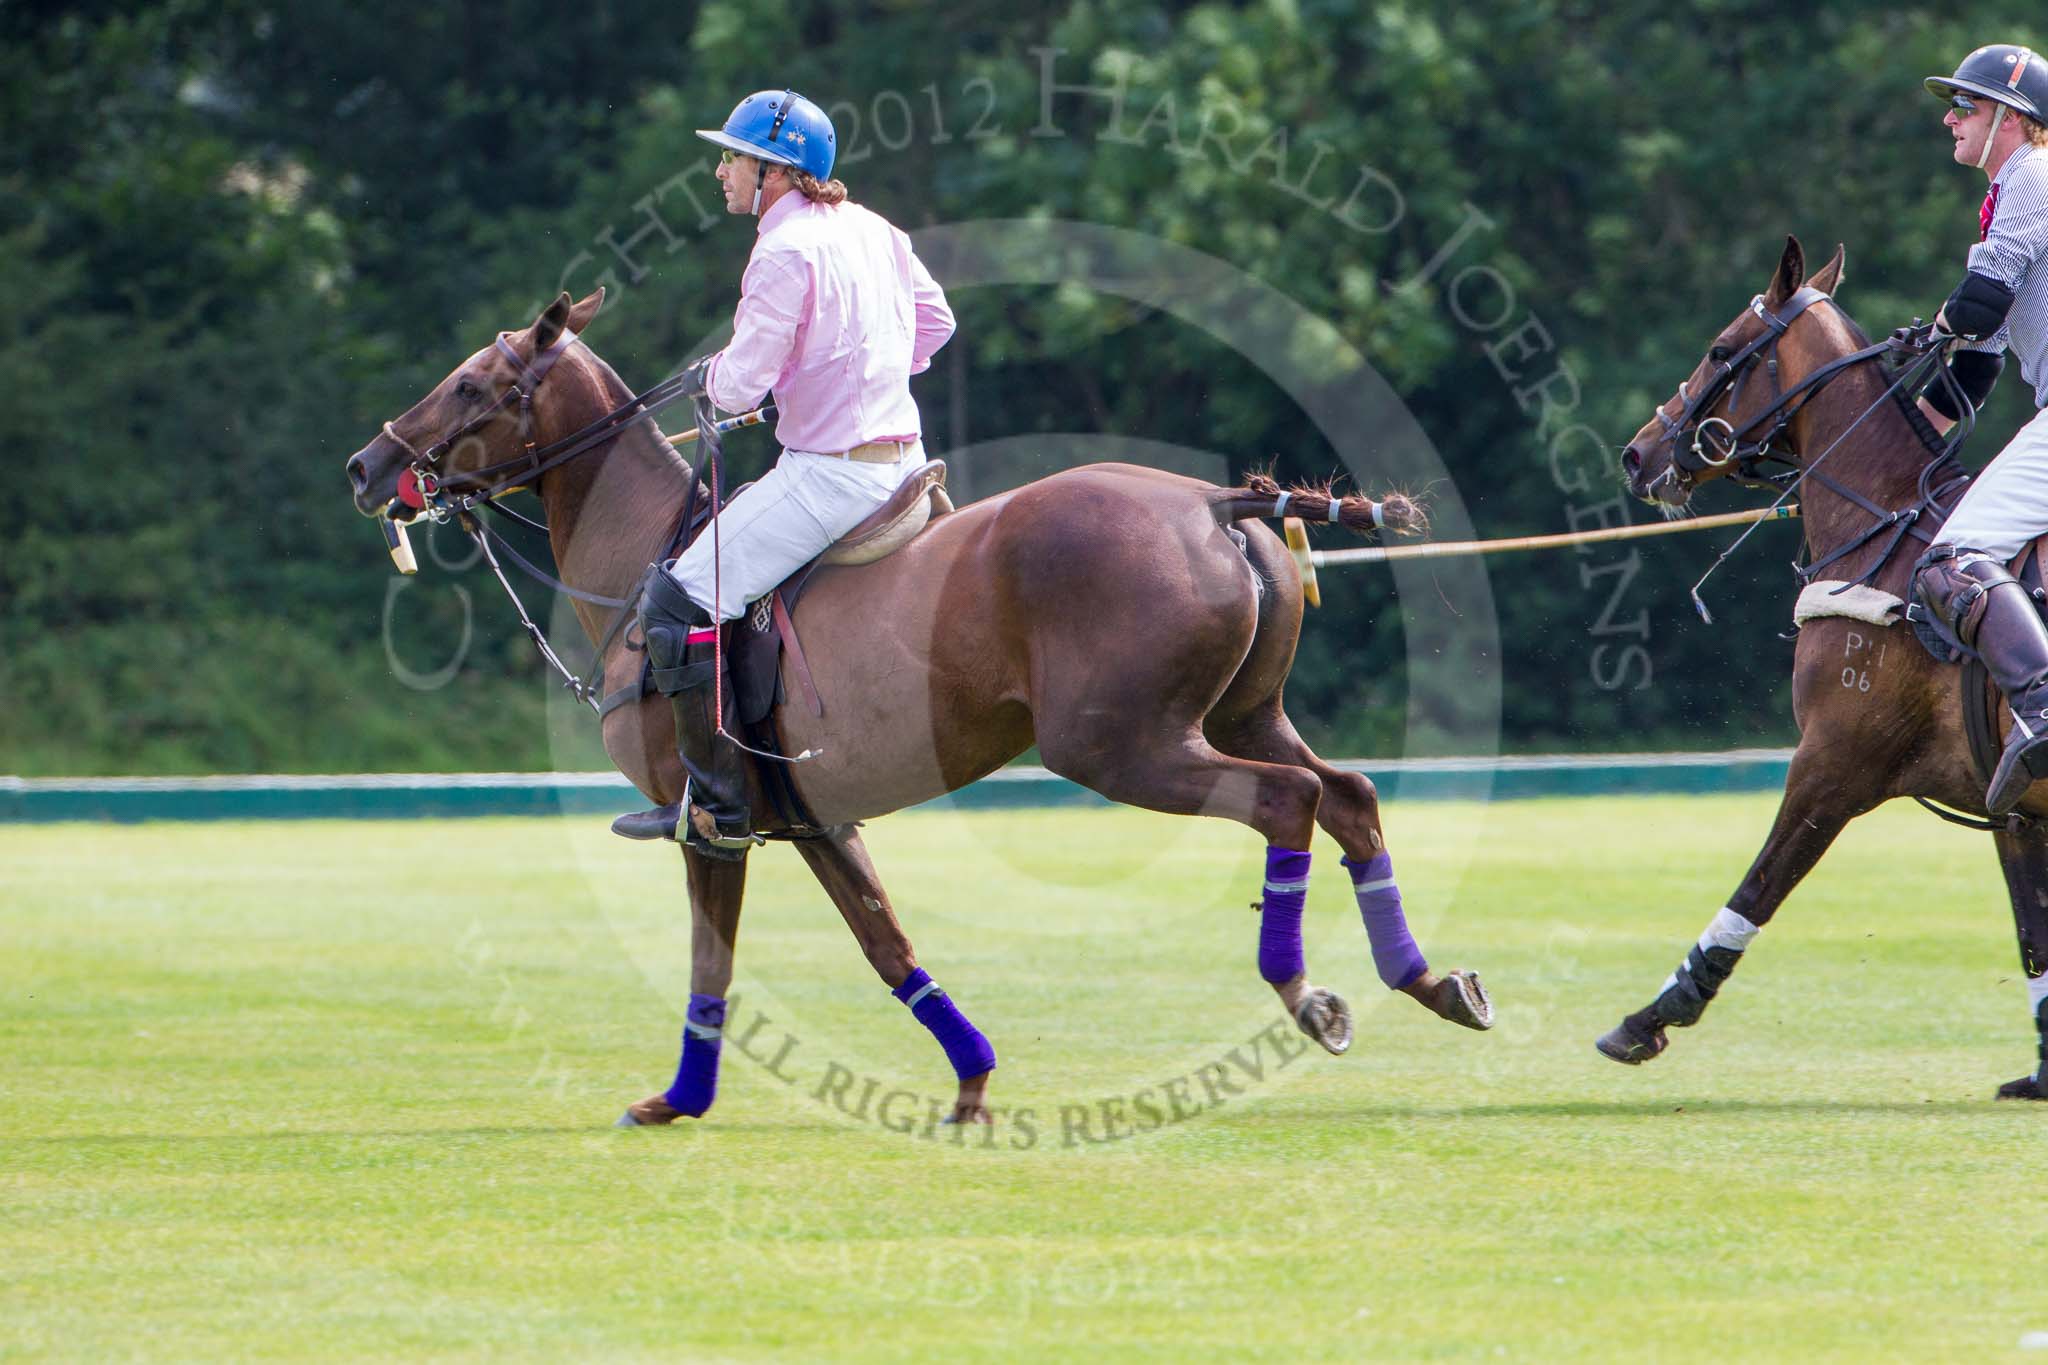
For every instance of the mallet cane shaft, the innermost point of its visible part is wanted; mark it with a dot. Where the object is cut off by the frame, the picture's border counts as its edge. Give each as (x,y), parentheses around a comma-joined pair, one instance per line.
(746,419)
(1311,560)
(1378,554)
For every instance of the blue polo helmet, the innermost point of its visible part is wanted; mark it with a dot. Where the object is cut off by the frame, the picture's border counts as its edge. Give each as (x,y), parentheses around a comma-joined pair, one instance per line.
(779,126)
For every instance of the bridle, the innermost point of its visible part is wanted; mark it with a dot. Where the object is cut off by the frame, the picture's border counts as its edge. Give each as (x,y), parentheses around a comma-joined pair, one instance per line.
(424,466)
(441,496)
(1715,441)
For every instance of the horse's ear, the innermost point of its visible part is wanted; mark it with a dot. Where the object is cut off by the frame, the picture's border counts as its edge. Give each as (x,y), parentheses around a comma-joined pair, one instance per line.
(547,328)
(1828,278)
(1791,274)
(585,309)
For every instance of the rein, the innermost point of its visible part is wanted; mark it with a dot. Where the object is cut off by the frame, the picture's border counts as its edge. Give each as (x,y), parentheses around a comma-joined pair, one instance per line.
(428,480)
(586,688)
(426,489)
(1717,442)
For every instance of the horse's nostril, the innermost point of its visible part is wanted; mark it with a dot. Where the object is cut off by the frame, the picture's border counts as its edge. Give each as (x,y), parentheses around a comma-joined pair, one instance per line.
(358,474)
(1632,460)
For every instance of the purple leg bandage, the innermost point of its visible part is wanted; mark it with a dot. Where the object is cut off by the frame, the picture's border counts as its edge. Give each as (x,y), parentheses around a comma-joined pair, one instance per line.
(697,1078)
(1280,957)
(966,1048)
(1379,904)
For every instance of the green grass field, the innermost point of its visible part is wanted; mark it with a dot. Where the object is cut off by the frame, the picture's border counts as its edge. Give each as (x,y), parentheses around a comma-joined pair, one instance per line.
(333,1090)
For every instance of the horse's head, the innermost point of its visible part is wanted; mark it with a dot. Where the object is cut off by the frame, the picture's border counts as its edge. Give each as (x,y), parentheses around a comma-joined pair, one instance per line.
(480,417)
(1696,436)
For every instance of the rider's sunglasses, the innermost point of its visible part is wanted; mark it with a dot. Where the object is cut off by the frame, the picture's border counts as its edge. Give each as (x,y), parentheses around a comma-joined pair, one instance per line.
(726,156)
(1962,104)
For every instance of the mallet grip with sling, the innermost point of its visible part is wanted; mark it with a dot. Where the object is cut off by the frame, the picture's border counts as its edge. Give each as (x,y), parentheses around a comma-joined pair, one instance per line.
(400,544)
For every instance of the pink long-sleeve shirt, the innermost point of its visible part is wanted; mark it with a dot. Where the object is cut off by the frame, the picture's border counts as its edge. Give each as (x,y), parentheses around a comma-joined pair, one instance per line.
(836,313)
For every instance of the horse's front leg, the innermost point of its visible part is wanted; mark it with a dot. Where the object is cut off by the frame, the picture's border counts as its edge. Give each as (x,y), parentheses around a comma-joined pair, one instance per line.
(2024,856)
(1820,798)
(717,886)
(841,864)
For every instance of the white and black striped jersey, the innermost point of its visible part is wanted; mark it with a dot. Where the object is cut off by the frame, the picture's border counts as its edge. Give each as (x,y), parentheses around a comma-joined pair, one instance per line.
(2015,253)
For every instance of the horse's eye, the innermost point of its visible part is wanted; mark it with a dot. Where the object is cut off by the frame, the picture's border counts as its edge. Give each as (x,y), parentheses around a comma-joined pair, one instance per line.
(467,391)
(1719,355)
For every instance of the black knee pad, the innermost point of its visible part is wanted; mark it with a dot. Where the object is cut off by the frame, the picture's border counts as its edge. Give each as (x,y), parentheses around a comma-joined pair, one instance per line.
(1951,584)
(667,615)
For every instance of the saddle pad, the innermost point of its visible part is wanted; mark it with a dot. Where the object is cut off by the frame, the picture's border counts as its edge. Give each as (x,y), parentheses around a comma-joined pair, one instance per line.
(1832,597)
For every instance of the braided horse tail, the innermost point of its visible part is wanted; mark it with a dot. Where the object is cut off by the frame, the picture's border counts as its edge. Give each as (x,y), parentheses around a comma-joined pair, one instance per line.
(1261,496)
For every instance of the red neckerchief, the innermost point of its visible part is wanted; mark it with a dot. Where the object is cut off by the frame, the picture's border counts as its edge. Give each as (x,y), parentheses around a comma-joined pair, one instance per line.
(1984,214)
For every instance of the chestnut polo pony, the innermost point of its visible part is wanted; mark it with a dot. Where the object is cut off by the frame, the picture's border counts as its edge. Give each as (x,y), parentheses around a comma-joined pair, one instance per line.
(1136,625)
(1878,716)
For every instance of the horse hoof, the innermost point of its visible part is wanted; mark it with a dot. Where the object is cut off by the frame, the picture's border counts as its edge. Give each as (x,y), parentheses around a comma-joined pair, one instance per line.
(652,1112)
(969,1113)
(2025,1088)
(1325,1017)
(1462,1000)
(1625,1044)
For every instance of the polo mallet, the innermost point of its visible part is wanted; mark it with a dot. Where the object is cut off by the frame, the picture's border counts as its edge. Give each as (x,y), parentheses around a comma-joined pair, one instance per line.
(745,419)
(1310,560)
(400,545)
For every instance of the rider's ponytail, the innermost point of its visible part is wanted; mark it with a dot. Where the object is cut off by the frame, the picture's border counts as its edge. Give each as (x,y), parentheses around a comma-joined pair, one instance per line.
(818,191)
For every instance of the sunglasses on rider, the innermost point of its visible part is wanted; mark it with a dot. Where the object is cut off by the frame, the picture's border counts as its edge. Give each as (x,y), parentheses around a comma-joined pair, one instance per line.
(1962,104)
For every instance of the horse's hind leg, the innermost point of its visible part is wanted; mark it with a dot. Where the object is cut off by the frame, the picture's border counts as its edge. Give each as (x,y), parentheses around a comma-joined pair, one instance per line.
(1350,813)
(716,888)
(840,862)
(1182,774)
(1821,796)
(2024,857)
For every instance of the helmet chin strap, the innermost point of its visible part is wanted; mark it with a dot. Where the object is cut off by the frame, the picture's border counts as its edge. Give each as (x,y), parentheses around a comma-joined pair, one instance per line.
(1984,156)
(761,180)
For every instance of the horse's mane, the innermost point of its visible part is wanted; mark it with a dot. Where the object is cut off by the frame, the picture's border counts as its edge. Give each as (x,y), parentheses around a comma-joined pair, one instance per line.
(668,454)
(1908,404)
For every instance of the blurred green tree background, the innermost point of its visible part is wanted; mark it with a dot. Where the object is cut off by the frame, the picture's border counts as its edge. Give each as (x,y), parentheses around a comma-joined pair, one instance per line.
(236,236)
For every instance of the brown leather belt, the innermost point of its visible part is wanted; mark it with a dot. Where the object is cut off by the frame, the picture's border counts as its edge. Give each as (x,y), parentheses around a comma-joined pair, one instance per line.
(874,452)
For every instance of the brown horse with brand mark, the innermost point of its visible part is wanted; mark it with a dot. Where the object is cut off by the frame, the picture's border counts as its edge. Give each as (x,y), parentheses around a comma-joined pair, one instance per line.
(1136,625)
(1791,380)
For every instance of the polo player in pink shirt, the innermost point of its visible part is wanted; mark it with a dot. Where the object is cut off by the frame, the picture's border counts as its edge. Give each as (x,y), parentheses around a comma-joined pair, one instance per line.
(836,313)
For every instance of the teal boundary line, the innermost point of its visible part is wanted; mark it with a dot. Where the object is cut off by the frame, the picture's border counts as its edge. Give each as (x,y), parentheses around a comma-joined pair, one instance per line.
(409,796)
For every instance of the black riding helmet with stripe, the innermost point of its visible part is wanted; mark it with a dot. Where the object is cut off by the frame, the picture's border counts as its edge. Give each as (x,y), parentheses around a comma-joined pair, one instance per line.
(2010,74)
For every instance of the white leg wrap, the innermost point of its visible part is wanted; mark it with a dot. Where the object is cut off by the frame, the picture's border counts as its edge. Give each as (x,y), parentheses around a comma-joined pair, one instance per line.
(2037,991)
(1730,930)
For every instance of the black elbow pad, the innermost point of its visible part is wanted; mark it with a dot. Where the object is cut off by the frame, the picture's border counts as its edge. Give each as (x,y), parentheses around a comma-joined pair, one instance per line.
(1978,307)
(1974,373)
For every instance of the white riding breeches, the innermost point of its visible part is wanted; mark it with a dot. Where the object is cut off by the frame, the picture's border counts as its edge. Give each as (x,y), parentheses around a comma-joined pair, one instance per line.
(2007,506)
(782,522)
